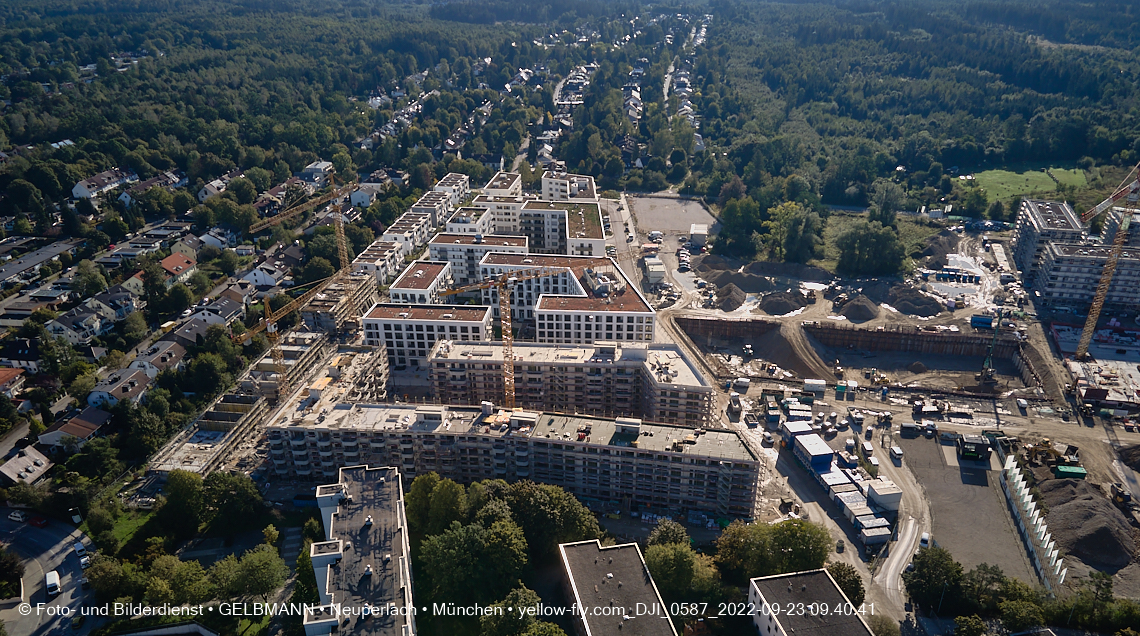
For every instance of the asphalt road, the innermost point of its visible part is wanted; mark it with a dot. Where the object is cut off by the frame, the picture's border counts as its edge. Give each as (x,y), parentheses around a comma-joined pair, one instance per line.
(43,550)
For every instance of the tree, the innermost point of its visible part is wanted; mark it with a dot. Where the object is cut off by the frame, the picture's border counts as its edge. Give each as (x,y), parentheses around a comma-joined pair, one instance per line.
(106,577)
(1018,616)
(88,279)
(513,621)
(733,189)
(936,578)
(242,190)
(982,587)
(848,580)
(887,198)
(448,504)
(417,506)
(472,564)
(224,575)
(261,572)
(798,545)
(883,625)
(233,499)
(795,233)
(182,511)
(672,567)
(134,328)
(317,269)
(11,571)
(270,534)
(305,583)
(668,531)
(969,626)
(869,248)
(227,262)
(208,374)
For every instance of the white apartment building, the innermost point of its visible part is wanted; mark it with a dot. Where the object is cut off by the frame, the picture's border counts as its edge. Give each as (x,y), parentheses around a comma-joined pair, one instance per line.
(504,209)
(1038,224)
(383,259)
(410,331)
(592,299)
(470,220)
(627,463)
(466,251)
(436,205)
(1070,273)
(559,185)
(561,227)
(421,283)
(504,184)
(457,186)
(411,231)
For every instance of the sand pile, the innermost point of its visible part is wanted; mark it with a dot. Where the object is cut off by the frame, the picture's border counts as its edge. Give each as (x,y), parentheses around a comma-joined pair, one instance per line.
(791,349)
(730,297)
(749,283)
(916,367)
(1086,525)
(941,244)
(1130,455)
(780,303)
(860,309)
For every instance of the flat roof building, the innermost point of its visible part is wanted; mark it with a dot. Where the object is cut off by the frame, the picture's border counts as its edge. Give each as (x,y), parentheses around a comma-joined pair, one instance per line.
(563,227)
(597,579)
(457,186)
(656,382)
(421,283)
(810,588)
(1070,273)
(504,184)
(559,185)
(365,561)
(410,331)
(504,210)
(470,220)
(466,251)
(383,259)
(1038,224)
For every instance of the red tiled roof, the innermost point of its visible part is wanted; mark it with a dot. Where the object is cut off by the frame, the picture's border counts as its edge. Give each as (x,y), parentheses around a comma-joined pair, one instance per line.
(177,263)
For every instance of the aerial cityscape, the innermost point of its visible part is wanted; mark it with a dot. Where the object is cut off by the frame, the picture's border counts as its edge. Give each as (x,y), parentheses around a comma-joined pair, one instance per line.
(585,318)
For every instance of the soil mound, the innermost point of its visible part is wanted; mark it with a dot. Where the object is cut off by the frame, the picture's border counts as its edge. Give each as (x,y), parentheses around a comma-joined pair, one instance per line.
(793,270)
(941,244)
(730,297)
(860,309)
(916,367)
(780,303)
(1130,455)
(1086,525)
(712,262)
(747,282)
(913,302)
(791,349)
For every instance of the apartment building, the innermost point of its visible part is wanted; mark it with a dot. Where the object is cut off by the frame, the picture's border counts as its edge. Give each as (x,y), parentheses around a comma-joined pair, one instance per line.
(437,205)
(366,532)
(1038,224)
(626,464)
(596,578)
(592,299)
(411,231)
(421,283)
(470,220)
(504,184)
(456,186)
(340,303)
(302,352)
(559,185)
(466,251)
(383,260)
(1070,273)
(656,382)
(814,588)
(409,332)
(504,210)
(560,227)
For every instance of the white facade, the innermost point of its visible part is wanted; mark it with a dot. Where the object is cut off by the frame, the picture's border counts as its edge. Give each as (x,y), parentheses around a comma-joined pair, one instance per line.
(421,283)
(466,251)
(504,184)
(410,331)
(504,209)
(102,182)
(1038,224)
(470,220)
(265,275)
(383,259)
(456,186)
(564,186)
(411,231)
(437,205)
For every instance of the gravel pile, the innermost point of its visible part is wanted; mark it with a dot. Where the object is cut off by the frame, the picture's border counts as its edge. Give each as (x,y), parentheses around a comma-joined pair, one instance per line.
(941,244)
(860,309)
(750,283)
(780,303)
(916,367)
(1130,455)
(912,302)
(1086,525)
(730,297)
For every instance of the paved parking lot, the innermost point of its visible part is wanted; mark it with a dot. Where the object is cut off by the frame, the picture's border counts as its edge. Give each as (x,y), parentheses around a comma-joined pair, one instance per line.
(970,518)
(669,215)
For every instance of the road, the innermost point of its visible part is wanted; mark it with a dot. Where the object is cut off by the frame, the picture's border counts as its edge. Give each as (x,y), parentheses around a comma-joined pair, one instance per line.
(888,580)
(8,442)
(42,550)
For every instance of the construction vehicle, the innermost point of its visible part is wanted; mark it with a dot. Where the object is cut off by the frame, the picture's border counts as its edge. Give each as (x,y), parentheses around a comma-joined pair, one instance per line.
(504,285)
(1048,454)
(986,376)
(1129,190)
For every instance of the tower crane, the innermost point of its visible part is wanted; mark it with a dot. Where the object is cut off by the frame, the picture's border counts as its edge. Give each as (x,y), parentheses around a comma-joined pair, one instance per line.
(505,284)
(1129,190)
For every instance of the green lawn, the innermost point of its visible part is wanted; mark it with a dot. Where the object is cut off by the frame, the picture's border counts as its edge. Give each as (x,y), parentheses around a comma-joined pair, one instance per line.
(1003,185)
(129,523)
(912,233)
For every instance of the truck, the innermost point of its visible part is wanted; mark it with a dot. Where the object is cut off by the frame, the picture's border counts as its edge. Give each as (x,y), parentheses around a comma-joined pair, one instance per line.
(742,384)
(814,386)
(981,321)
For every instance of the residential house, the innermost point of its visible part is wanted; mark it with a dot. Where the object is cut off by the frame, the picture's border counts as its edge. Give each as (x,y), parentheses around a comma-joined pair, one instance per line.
(317,174)
(266,276)
(134,285)
(218,186)
(21,353)
(222,311)
(220,238)
(11,381)
(365,195)
(91,354)
(80,325)
(102,182)
(77,431)
(245,250)
(179,268)
(189,333)
(188,246)
(242,292)
(116,303)
(164,355)
(29,466)
(126,384)
(291,256)
(168,180)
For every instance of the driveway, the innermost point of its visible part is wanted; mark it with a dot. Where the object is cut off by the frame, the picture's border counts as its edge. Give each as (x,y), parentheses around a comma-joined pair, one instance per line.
(43,550)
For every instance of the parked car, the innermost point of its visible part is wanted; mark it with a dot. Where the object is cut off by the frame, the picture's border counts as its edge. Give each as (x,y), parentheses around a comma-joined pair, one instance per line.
(924,540)
(38,521)
(18,516)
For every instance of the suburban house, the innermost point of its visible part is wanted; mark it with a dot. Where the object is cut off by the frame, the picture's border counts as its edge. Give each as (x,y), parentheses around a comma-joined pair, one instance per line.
(11,381)
(266,275)
(162,356)
(365,195)
(219,238)
(76,431)
(188,246)
(242,292)
(102,182)
(134,285)
(189,333)
(80,325)
(222,311)
(317,174)
(21,353)
(218,186)
(29,466)
(116,303)
(127,384)
(179,268)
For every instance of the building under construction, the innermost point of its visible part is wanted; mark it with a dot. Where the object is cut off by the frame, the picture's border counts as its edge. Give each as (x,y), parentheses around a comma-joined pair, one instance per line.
(341,303)
(302,352)
(203,447)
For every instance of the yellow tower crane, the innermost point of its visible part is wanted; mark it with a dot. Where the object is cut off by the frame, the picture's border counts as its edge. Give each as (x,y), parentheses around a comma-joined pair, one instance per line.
(1129,191)
(505,284)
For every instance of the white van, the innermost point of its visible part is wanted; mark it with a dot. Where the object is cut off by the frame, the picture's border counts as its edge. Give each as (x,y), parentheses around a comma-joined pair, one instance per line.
(896,453)
(80,551)
(51,583)
(868,449)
